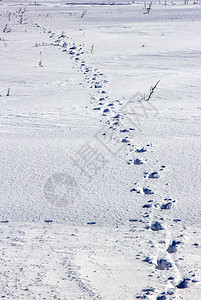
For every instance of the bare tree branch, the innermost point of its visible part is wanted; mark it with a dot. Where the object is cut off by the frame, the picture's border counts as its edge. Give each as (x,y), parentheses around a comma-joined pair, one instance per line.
(151,91)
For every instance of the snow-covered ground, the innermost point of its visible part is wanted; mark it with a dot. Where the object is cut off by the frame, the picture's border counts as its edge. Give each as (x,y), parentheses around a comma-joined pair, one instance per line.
(117,176)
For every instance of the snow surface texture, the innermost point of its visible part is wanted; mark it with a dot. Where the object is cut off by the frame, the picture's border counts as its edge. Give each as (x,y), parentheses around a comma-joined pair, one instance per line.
(81,147)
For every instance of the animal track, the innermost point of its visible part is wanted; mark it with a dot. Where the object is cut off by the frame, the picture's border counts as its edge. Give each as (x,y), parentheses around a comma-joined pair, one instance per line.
(104,105)
(163,264)
(156,226)
(154,175)
(173,247)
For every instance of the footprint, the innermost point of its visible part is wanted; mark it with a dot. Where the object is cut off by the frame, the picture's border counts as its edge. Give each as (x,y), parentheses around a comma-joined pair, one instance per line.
(140,150)
(167,206)
(138,161)
(144,190)
(183,284)
(147,191)
(147,206)
(172,248)
(106,110)
(163,264)
(154,175)
(156,226)
(125,140)
(163,297)
(97,86)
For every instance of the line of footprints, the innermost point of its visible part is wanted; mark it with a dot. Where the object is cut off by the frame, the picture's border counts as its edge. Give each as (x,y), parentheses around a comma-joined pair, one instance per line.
(103,103)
